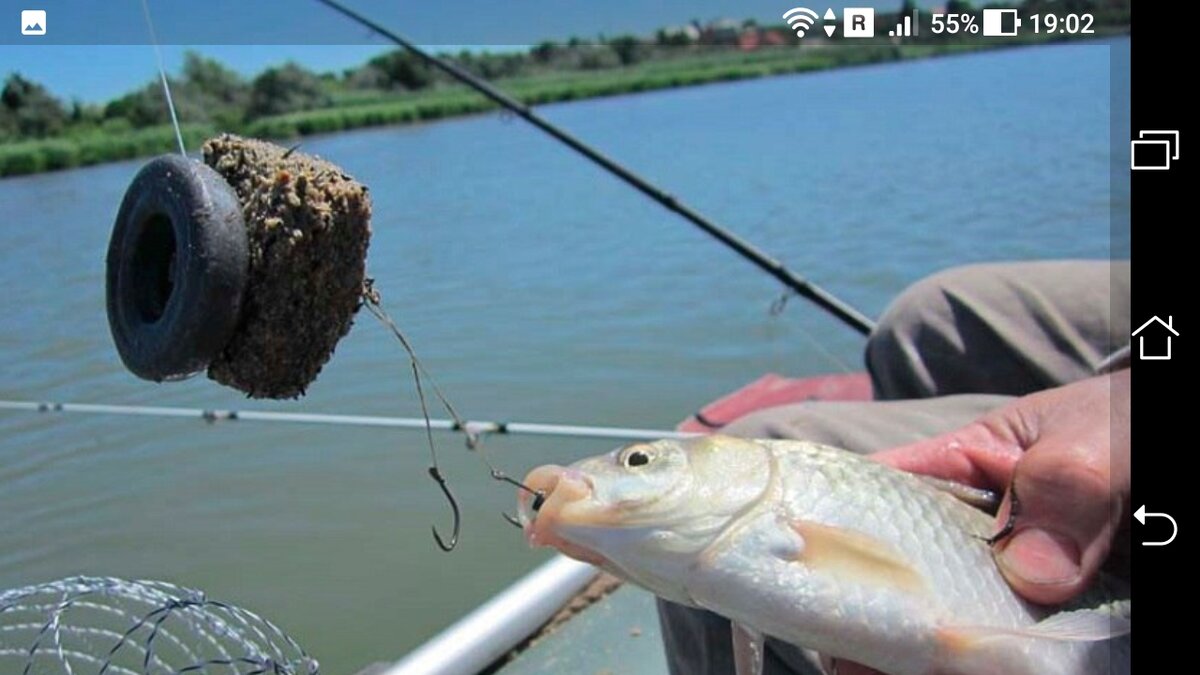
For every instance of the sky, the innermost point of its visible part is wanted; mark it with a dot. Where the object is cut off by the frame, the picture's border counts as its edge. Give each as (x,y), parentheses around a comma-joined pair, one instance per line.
(95,50)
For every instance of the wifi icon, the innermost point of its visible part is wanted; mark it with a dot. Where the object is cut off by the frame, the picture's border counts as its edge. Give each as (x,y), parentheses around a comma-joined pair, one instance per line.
(800,19)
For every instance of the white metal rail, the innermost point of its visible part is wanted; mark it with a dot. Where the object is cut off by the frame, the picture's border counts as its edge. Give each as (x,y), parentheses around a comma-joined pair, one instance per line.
(474,427)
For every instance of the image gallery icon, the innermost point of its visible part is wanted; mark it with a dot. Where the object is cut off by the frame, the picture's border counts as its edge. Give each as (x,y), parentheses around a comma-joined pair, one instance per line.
(33,22)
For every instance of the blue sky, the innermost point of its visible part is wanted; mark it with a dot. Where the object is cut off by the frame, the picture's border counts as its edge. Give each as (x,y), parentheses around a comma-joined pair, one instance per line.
(97,49)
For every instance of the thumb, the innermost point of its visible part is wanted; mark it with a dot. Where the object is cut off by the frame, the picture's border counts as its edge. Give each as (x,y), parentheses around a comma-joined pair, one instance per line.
(1066,515)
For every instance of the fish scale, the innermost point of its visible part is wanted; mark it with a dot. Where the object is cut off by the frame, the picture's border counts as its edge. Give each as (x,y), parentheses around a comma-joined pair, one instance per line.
(821,548)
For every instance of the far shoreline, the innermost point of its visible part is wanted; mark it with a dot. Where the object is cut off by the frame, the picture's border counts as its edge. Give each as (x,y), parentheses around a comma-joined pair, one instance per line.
(57,154)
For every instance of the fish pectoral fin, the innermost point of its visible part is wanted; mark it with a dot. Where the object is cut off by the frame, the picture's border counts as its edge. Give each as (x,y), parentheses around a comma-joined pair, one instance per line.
(982,499)
(1082,625)
(854,556)
(747,649)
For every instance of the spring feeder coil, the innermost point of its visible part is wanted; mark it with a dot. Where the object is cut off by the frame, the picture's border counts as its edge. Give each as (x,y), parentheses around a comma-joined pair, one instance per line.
(249,265)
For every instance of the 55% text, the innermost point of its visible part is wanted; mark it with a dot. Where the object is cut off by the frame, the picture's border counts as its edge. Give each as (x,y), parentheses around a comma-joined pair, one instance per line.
(954,23)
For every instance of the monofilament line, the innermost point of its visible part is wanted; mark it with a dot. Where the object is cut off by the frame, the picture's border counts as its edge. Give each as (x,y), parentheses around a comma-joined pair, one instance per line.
(162,73)
(374,303)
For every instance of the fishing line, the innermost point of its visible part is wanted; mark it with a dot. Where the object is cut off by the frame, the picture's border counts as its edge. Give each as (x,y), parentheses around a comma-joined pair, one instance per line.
(372,300)
(162,73)
(822,298)
(778,305)
(374,303)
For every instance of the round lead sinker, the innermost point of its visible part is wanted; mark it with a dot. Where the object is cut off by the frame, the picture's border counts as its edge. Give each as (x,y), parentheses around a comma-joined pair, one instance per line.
(176,269)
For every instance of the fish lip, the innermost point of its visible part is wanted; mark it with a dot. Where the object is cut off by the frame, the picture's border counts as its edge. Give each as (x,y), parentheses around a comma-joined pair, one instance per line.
(568,492)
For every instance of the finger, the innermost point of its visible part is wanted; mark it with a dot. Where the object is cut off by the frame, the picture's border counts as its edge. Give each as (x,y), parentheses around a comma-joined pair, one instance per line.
(1065,524)
(981,454)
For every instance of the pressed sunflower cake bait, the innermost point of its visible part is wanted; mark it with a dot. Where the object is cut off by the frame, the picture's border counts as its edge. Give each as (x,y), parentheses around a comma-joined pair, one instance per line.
(308,228)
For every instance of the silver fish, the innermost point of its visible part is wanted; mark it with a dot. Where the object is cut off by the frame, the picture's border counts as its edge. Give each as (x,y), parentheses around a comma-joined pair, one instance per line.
(821,548)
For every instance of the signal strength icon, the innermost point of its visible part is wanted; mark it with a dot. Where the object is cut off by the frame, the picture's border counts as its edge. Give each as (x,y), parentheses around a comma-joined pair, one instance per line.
(906,27)
(800,19)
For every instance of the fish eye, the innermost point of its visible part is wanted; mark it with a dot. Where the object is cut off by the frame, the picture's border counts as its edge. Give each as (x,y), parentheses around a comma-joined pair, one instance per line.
(636,457)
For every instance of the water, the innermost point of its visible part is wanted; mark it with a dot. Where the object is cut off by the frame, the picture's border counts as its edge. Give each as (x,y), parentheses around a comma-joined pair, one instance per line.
(536,288)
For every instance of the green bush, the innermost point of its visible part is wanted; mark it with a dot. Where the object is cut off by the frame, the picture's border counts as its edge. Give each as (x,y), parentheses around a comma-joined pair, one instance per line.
(20,158)
(64,153)
(115,139)
(59,154)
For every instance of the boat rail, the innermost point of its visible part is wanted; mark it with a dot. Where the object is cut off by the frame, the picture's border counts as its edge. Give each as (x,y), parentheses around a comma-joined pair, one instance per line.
(494,628)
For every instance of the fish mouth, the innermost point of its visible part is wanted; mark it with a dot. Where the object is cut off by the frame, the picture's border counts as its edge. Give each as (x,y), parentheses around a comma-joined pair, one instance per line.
(560,496)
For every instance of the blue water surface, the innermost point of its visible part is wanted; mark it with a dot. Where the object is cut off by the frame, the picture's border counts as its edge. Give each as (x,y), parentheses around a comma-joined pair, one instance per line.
(536,288)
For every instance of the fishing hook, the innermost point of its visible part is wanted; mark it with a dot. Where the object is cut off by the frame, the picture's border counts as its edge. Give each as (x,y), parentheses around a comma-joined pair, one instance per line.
(539,497)
(441,481)
(1014,509)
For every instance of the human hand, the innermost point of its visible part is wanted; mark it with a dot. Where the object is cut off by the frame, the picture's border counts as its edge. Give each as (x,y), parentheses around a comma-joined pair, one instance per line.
(1065,452)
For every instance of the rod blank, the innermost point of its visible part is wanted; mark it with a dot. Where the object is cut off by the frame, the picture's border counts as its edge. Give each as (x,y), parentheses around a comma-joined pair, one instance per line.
(803,287)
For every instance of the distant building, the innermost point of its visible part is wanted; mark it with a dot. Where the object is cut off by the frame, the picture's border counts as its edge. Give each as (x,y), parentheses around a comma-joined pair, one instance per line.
(773,38)
(722,32)
(686,33)
(749,40)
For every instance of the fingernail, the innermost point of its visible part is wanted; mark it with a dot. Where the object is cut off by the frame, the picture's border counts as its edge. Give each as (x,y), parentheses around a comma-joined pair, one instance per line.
(1041,557)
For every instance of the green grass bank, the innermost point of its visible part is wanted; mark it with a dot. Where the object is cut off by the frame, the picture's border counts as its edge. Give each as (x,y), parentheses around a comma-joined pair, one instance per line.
(356,112)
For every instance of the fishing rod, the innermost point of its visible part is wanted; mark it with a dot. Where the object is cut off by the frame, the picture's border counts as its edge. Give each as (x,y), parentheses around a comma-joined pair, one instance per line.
(472,428)
(801,286)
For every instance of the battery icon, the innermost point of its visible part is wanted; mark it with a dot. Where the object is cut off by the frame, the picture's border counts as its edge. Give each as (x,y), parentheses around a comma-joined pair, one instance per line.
(1000,22)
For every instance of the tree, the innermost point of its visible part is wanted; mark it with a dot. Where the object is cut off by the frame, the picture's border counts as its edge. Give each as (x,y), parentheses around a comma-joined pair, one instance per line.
(674,37)
(212,92)
(144,107)
(288,88)
(366,77)
(28,109)
(212,80)
(403,70)
(210,77)
(544,52)
(598,57)
(85,113)
(207,92)
(629,49)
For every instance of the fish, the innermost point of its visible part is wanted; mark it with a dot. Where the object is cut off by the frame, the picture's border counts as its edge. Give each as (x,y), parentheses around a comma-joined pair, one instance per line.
(818,547)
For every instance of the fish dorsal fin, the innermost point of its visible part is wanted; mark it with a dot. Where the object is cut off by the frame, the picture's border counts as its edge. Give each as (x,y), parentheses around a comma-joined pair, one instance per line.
(980,498)
(747,649)
(854,556)
(1081,625)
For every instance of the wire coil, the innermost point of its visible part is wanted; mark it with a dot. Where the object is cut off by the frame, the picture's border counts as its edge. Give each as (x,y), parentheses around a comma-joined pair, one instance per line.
(104,625)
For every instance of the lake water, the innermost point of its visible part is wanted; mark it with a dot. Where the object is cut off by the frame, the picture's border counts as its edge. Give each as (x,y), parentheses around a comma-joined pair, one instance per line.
(536,288)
